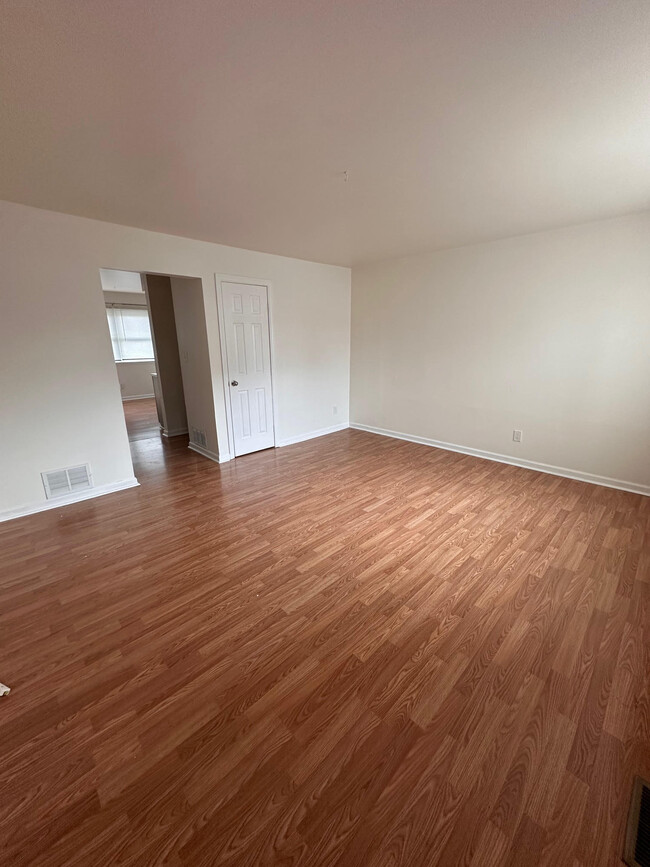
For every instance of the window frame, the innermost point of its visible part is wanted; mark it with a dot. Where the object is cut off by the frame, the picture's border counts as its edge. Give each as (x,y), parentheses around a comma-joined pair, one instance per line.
(119,340)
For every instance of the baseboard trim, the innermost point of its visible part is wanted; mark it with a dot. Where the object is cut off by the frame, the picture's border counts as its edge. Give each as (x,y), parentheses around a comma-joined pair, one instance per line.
(183,431)
(57,503)
(137,397)
(213,456)
(564,472)
(290,441)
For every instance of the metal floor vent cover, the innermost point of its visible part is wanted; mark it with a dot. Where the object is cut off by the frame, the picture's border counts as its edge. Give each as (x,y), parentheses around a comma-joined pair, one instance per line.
(637,837)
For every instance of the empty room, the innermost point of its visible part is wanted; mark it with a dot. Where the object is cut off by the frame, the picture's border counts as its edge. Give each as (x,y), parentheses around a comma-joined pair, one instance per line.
(325,433)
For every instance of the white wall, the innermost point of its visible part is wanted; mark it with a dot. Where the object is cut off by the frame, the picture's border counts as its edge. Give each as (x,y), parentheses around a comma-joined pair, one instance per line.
(158,290)
(135,378)
(59,396)
(129,297)
(194,358)
(548,333)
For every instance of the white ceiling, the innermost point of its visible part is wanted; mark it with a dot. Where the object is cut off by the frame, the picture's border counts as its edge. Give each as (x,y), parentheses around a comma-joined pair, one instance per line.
(233,121)
(120,281)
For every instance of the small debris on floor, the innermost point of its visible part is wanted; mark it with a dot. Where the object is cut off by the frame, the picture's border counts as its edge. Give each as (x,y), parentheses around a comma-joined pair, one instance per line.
(4,690)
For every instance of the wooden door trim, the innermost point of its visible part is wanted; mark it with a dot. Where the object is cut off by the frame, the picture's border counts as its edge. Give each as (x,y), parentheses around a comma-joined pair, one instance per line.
(245,281)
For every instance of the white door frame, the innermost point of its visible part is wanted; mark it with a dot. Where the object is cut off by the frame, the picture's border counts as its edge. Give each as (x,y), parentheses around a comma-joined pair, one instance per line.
(246,281)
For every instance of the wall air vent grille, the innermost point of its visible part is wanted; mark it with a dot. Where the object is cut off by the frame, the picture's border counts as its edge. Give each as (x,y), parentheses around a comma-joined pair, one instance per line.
(199,438)
(59,483)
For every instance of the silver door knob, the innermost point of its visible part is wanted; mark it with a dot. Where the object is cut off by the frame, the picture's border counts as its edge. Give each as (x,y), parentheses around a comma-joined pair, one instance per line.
(234,382)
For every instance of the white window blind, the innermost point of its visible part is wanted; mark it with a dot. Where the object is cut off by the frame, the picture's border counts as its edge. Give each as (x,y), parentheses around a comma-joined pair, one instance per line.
(130,333)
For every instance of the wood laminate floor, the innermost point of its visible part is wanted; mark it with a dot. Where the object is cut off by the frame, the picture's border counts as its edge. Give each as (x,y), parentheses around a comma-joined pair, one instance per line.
(351,651)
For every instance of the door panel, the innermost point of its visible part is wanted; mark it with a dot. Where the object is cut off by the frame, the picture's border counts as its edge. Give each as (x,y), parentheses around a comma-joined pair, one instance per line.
(246,325)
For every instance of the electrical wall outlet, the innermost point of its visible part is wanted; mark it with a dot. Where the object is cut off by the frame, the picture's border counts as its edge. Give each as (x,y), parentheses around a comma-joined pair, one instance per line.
(335,410)
(516,436)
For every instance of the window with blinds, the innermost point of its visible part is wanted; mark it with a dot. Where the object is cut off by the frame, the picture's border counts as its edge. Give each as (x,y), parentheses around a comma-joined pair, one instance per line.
(130,333)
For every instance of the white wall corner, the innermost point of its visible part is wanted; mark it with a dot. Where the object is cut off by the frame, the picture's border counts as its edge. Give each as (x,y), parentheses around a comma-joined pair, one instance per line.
(299,438)
(213,456)
(564,472)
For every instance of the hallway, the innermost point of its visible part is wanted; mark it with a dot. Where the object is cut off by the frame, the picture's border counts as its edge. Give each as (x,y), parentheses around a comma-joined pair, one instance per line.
(141,419)
(152,453)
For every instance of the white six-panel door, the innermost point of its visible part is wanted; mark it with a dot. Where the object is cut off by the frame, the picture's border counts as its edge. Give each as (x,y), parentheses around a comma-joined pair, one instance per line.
(246,326)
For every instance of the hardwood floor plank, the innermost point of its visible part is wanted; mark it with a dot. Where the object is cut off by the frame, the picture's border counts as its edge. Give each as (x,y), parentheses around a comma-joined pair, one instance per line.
(353,651)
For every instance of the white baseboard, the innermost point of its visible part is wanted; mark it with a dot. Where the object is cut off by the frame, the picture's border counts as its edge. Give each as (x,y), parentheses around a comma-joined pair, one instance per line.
(590,478)
(136,397)
(174,433)
(58,502)
(311,435)
(219,459)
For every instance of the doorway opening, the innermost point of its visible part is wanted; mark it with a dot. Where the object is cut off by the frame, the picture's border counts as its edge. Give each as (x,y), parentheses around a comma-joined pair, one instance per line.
(129,323)
(159,338)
